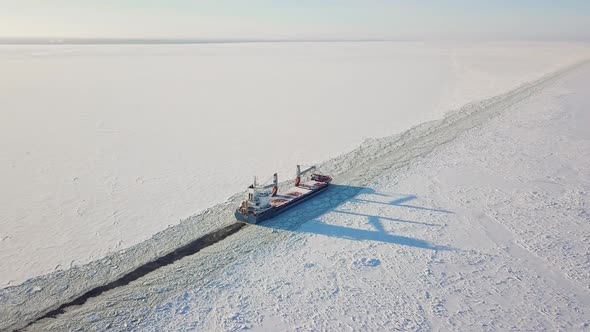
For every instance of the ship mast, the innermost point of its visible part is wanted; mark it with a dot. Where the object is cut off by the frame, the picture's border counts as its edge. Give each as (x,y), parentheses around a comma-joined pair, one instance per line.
(275,184)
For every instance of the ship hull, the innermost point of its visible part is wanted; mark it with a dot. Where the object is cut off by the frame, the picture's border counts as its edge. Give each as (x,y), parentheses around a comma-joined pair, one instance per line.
(274,211)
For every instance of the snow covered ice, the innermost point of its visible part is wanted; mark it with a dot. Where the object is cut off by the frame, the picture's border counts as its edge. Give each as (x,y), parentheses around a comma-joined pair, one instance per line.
(120,142)
(477,221)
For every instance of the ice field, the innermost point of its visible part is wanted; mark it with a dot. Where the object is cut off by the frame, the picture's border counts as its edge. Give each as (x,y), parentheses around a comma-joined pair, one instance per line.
(478,221)
(103,146)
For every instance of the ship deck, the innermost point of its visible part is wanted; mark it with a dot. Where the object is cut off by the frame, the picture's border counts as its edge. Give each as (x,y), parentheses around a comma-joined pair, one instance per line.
(292,193)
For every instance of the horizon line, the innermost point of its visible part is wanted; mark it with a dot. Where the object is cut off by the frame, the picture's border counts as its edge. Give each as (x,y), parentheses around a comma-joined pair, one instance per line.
(123,40)
(189,41)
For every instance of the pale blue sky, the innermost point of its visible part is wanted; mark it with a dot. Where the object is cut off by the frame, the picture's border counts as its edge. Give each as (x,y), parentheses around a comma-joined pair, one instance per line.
(301,19)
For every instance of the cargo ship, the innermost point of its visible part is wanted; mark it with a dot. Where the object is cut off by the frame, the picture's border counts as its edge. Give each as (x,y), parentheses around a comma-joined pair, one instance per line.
(263,202)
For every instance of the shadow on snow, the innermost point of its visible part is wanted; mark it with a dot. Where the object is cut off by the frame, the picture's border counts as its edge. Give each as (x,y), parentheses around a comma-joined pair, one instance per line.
(303,218)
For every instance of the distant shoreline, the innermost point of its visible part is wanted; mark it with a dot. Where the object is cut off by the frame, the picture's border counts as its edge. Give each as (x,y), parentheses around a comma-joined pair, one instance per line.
(198,41)
(155,41)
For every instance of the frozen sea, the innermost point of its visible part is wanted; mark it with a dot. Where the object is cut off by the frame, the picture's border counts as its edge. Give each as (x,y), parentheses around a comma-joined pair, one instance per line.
(102,146)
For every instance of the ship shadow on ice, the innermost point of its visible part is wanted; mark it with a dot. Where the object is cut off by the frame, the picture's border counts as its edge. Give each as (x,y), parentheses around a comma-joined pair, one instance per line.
(304,217)
(400,202)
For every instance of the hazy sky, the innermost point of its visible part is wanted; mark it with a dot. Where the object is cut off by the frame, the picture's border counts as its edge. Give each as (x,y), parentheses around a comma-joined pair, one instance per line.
(302,19)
